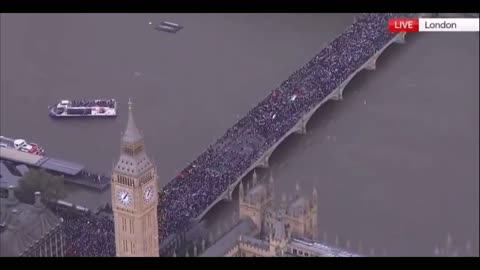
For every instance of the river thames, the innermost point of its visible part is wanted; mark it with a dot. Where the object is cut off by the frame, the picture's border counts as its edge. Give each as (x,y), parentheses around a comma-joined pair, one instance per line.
(395,162)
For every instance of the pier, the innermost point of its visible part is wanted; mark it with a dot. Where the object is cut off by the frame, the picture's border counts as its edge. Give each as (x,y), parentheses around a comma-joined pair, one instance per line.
(72,172)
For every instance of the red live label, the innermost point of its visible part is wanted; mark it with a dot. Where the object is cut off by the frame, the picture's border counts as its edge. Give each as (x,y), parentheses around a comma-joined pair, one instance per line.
(403,25)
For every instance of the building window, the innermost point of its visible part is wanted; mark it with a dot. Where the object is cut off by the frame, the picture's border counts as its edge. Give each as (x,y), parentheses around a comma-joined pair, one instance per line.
(294,252)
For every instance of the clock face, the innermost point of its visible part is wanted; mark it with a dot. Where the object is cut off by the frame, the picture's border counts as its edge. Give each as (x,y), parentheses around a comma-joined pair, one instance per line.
(124,197)
(148,194)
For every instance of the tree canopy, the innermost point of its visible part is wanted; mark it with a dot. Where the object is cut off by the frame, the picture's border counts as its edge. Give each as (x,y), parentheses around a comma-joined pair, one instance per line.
(51,186)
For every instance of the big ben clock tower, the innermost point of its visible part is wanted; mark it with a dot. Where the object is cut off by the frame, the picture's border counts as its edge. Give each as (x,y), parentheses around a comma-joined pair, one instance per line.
(134,197)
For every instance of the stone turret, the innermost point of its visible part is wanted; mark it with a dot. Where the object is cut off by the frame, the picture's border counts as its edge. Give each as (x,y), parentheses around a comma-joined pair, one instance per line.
(241,192)
(360,247)
(283,203)
(256,201)
(297,190)
(314,196)
(271,183)
(301,215)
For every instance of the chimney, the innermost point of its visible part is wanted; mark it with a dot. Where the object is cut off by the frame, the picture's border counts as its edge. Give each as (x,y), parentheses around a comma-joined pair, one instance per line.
(194,249)
(13,221)
(38,198)
(11,192)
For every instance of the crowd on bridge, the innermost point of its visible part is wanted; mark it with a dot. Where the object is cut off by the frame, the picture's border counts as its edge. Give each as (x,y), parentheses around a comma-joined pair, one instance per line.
(194,189)
(211,174)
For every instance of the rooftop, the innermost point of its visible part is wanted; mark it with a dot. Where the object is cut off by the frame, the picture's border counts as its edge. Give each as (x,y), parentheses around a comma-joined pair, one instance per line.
(21,157)
(132,134)
(23,224)
(244,228)
(62,166)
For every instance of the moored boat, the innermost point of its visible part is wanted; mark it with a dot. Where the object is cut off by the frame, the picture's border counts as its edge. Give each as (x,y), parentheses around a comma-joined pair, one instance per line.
(84,108)
(169,27)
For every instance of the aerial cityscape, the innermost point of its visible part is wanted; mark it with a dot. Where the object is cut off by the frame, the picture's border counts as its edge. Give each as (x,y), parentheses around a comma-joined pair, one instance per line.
(239,135)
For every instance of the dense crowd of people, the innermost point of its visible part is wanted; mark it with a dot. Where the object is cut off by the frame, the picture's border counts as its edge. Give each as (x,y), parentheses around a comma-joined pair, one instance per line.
(93,103)
(194,189)
(200,184)
(86,234)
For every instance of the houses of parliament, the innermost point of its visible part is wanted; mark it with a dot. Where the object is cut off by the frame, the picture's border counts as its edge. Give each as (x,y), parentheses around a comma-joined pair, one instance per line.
(258,230)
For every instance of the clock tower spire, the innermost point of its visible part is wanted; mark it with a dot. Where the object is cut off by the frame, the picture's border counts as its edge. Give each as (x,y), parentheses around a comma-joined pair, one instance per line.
(134,196)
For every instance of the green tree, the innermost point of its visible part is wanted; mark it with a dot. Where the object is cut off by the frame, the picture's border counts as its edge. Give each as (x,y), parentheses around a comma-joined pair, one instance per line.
(51,186)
